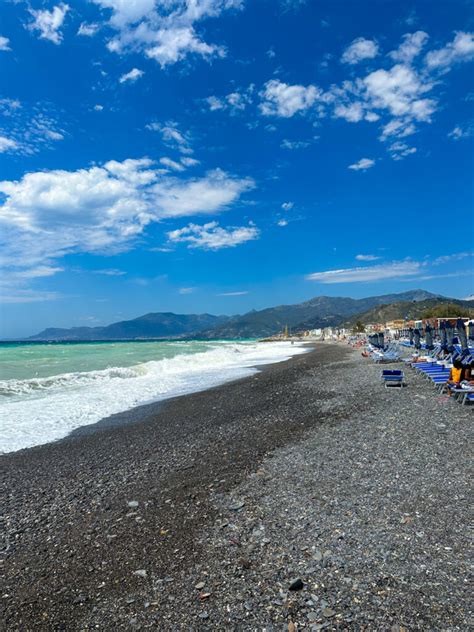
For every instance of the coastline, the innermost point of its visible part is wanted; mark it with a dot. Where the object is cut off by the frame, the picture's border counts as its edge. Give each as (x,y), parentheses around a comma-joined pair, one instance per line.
(75,544)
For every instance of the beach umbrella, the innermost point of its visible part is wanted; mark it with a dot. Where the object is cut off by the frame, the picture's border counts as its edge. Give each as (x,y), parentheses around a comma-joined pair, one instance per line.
(381,340)
(410,334)
(429,338)
(470,327)
(442,335)
(461,329)
(417,338)
(449,337)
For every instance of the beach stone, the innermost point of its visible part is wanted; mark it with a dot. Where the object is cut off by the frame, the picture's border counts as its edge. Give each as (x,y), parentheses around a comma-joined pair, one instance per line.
(296,585)
(237,505)
(140,573)
(317,555)
(133,504)
(200,585)
(204,615)
(328,612)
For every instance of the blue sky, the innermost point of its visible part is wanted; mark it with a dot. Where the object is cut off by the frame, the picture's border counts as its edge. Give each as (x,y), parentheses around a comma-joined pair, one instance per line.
(226,155)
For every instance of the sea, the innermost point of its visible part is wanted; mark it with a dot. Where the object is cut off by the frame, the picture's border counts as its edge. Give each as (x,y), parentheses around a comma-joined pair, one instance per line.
(47,390)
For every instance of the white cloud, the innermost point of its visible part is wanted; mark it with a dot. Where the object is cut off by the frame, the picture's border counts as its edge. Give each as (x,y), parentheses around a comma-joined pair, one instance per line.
(282,222)
(459,132)
(367,257)
(459,50)
(189,162)
(4,43)
(7,144)
(398,90)
(164,30)
(186,290)
(172,136)
(393,270)
(88,29)
(281,99)
(360,49)
(215,103)
(287,206)
(98,107)
(110,272)
(362,165)
(453,257)
(353,113)
(234,102)
(48,23)
(399,150)
(232,294)
(18,296)
(410,47)
(131,76)
(171,164)
(27,130)
(211,236)
(400,128)
(102,209)
(294,144)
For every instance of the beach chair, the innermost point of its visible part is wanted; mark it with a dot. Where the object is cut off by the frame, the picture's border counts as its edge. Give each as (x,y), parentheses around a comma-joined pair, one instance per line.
(394,377)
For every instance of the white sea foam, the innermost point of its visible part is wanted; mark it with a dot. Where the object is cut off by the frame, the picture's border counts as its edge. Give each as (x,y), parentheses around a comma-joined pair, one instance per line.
(40,410)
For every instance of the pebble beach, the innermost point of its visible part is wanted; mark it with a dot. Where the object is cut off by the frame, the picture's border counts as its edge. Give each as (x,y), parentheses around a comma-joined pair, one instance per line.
(304,497)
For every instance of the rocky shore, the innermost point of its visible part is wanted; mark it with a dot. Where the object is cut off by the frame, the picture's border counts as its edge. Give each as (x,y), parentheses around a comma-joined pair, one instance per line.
(305,497)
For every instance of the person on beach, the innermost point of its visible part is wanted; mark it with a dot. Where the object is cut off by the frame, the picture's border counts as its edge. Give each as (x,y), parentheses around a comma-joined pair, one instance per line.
(455,375)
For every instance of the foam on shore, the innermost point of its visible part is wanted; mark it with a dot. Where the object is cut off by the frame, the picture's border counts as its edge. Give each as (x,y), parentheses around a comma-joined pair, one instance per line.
(40,410)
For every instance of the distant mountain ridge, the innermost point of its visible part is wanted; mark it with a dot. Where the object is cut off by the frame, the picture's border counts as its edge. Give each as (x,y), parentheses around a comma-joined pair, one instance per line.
(410,310)
(321,311)
(153,325)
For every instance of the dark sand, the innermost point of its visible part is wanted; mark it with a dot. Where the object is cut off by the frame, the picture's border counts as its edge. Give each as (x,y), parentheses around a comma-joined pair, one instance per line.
(74,544)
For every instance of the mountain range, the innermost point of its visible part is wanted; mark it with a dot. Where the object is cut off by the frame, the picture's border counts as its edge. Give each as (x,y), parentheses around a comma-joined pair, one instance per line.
(321,311)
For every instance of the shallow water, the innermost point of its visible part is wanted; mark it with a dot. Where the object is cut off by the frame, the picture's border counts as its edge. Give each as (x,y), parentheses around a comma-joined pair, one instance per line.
(48,390)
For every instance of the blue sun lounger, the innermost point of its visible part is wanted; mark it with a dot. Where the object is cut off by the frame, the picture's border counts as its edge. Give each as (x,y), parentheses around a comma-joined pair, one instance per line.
(394,377)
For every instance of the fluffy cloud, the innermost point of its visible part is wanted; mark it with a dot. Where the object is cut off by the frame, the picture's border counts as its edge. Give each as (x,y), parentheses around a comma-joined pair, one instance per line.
(48,23)
(102,209)
(353,113)
(398,90)
(236,101)
(402,93)
(88,29)
(410,47)
(360,49)
(131,76)
(459,50)
(381,272)
(287,206)
(163,29)
(7,144)
(362,165)
(281,99)
(172,164)
(4,43)
(211,236)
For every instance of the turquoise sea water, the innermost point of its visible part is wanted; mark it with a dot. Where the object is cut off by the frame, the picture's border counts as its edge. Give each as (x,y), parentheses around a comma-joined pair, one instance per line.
(48,390)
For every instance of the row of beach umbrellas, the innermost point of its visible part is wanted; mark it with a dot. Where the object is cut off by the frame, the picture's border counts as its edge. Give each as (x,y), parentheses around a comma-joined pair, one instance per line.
(446,334)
